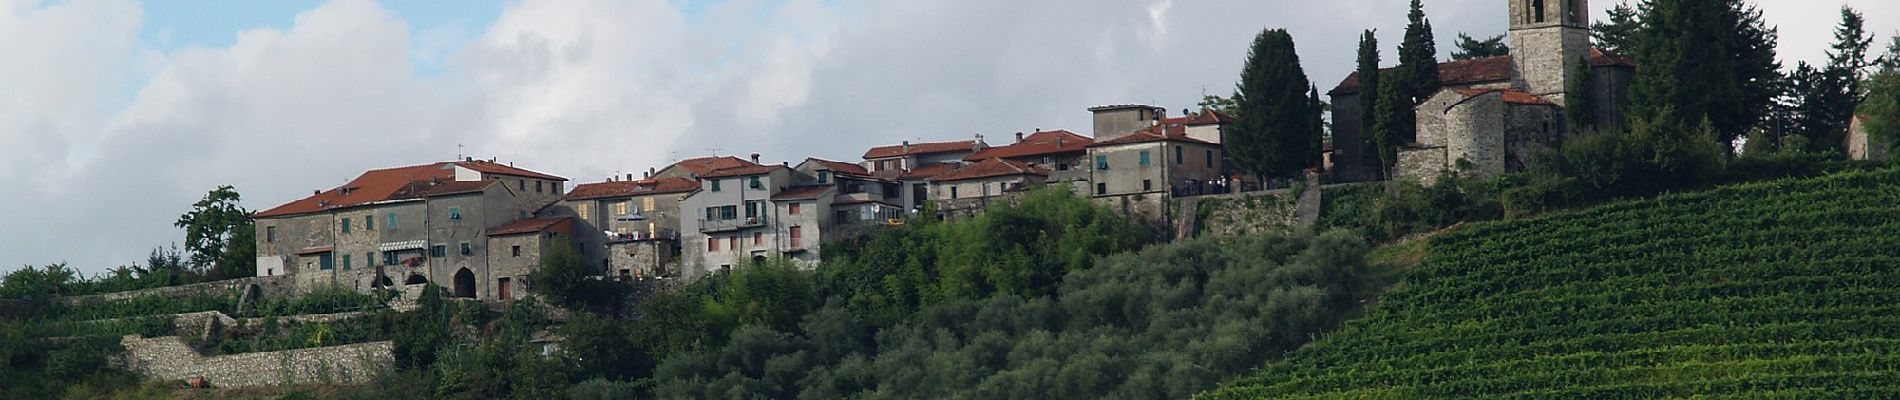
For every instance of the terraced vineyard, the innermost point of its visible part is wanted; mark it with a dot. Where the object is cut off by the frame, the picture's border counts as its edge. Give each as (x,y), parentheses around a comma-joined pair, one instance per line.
(1775,290)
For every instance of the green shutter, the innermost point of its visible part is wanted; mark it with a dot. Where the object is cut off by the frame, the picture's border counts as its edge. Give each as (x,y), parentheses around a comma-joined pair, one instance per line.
(1144,157)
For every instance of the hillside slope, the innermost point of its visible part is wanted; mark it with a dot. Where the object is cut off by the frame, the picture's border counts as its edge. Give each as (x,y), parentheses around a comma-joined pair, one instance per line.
(1784,289)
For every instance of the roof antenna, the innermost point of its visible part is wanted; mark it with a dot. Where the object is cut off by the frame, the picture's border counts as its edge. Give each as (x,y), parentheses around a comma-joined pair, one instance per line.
(458,151)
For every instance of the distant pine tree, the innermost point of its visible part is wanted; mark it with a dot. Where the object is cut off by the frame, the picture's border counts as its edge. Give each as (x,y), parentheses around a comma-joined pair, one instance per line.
(1580,101)
(1393,121)
(1369,81)
(1469,48)
(1277,129)
(1418,55)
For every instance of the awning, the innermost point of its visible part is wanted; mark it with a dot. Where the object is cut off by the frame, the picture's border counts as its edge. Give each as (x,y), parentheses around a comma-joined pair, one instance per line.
(402,245)
(313,250)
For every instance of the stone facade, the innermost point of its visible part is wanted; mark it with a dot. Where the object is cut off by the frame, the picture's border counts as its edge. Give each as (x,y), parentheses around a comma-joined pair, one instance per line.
(1171,165)
(170,359)
(1112,122)
(1861,144)
(1547,39)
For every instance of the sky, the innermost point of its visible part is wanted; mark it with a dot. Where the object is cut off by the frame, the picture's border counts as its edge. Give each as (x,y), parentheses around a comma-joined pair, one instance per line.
(117,115)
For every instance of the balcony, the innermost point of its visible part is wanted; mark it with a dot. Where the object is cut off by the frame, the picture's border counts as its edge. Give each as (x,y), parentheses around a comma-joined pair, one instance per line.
(641,236)
(724,225)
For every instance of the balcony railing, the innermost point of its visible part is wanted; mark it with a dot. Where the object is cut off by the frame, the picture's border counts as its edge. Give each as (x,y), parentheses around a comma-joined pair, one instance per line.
(638,236)
(721,225)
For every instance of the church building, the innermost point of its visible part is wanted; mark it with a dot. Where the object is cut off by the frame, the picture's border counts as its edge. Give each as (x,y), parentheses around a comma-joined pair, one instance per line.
(1490,113)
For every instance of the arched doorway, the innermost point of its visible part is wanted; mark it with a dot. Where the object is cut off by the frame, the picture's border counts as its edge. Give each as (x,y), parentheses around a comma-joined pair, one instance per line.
(416,279)
(383,281)
(464,284)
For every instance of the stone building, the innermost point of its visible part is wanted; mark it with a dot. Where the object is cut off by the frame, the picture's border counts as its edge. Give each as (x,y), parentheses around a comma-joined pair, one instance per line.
(1163,160)
(731,219)
(912,165)
(1861,144)
(1490,112)
(629,227)
(404,225)
(969,189)
(515,252)
(1061,152)
(858,201)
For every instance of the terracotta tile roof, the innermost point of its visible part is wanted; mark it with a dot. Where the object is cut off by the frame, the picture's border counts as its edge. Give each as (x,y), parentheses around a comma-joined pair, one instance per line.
(991,168)
(742,171)
(1603,58)
(705,165)
(1156,133)
(1488,69)
(433,189)
(1210,117)
(1513,96)
(505,169)
(843,167)
(922,148)
(661,185)
(926,172)
(532,225)
(801,192)
(1037,144)
(372,186)
(1465,72)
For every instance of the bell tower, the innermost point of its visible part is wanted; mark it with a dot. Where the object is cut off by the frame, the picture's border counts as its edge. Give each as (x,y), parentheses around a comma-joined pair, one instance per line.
(1547,37)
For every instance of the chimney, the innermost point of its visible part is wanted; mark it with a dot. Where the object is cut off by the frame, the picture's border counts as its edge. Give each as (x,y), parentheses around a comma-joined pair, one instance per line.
(1038,129)
(469,159)
(651,172)
(755,158)
(1019,136)
(907,147)
(315,192)
(630,176)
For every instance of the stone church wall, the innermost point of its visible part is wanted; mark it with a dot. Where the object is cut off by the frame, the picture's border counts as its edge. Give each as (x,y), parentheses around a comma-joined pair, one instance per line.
(1475,133)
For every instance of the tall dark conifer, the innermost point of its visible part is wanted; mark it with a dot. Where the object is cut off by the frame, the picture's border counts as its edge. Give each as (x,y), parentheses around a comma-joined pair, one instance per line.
(1418,55)
(1277,131)
(1369,81)
(1701,60)
(1392,121)
(1580,102)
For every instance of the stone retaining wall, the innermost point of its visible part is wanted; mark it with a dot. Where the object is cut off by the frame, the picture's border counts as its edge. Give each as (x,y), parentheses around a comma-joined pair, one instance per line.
(267,285)
(170,359)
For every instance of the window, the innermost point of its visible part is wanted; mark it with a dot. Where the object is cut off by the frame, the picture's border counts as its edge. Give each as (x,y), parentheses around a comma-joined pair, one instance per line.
(1210,159)
(438,251)
(715,184)
(755,183)
(392,222)
(346,262)
(270,233)
(1101,188)
(824,177)
(557,187)
(953,192)
(1537,10)
(1062,166)
(582,210)
(516,249)
(620,208)
(346,225)
(753,208)
(792,209)
(1144,158)
(1177,155)
(758,238)
(369,222)
(537,186)
(1147,185)
(1101,162)
(324,262)
(466,250)
(389,258)
(521,185)
(712,245)
(369,259)
(732,242)
(798,237)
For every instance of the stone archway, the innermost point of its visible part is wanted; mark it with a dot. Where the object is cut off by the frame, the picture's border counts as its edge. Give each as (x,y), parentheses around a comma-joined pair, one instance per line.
(464,284)
(415,279)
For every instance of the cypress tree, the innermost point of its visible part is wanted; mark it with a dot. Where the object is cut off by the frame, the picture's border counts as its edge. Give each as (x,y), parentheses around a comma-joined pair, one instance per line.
(1274,135)
(1418,55)
(1393,121)
(1703,59)
(1829,96)
(1369,81)
(1316,129)
(1580,101)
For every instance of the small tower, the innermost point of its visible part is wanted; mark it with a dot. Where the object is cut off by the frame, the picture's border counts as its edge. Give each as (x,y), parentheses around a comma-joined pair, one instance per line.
(1547,37)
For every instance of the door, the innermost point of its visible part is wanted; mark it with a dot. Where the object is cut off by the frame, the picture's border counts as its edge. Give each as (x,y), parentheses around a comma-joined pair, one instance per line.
(502,285)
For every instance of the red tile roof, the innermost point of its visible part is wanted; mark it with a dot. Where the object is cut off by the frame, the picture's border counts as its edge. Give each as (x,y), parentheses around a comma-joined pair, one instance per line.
(661,185)
(801,192)
(843,167)
(742,171)
(1464,72)
(926,172)
(1037,144)
(922,148)
(533,225)
(1482,70)
(1156,133)
(1513,96)
(1210,117)
(705,165)
(487,167)
(399,183)
(991,168)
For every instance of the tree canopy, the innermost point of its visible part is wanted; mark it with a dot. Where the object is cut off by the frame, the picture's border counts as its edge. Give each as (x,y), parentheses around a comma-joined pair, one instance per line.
(220,235)
(1418,55)
(1703,60)
(1469,48)
(1618,34)
(1278,135)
